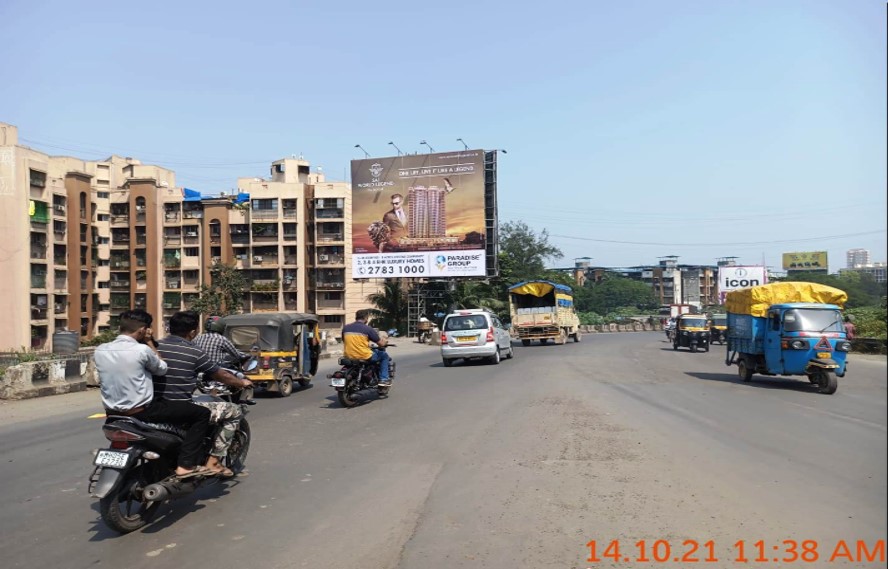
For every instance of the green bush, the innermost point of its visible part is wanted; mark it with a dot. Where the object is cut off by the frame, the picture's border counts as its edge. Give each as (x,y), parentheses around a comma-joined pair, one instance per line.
(102,338)
(869,321)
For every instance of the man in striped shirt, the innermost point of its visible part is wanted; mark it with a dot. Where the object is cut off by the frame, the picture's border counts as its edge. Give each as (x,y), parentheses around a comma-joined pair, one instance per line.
(184,362)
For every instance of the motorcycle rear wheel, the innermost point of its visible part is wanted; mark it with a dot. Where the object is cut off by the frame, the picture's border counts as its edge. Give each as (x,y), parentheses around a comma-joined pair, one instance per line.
(347,398)
(123,510)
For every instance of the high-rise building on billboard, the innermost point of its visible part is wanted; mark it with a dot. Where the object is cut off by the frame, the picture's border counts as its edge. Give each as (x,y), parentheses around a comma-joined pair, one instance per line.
(428,212)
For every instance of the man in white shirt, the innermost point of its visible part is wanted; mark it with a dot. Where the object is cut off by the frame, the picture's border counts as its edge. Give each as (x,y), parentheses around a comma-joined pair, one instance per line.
(125,367)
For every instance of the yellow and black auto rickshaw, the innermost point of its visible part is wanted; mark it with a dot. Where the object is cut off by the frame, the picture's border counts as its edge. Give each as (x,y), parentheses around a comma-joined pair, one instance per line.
(718,329)
(691,331)
(281,341)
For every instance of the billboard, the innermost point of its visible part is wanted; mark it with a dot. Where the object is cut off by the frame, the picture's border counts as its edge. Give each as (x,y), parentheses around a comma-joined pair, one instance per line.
(812,261)
(737,277)
(420,215)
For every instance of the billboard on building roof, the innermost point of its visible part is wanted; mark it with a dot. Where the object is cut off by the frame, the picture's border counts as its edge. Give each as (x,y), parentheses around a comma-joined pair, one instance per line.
(420,215)
(809,261)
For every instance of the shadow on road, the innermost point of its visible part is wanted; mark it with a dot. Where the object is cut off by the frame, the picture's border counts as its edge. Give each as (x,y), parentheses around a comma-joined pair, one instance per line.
(169,513)
(761,382)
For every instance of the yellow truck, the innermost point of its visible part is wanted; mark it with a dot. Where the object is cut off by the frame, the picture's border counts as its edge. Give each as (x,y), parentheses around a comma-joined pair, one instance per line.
(543,310)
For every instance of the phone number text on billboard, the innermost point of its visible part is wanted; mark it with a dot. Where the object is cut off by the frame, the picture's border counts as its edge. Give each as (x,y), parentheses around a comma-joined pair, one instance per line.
(432,264)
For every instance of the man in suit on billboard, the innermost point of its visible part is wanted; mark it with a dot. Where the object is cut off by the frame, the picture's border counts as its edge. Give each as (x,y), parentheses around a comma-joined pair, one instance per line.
(396,219)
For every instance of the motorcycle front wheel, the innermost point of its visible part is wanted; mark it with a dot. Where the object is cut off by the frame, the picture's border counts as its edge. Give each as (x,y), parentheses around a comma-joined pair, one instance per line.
(236,459)
(124,510)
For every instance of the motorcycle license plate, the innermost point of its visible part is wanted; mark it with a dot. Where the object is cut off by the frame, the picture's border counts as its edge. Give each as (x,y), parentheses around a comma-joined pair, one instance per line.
(337,382)
(111,458)
(467,339)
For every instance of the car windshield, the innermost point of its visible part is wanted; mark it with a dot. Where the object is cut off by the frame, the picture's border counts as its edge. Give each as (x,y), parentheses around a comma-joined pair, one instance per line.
(719,320)
(693,323)
(456,323)
(812,320)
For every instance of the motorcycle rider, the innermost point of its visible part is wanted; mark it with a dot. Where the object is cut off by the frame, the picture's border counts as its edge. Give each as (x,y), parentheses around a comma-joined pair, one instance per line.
(125,367)
(356,338)
(219,348)
(186,361)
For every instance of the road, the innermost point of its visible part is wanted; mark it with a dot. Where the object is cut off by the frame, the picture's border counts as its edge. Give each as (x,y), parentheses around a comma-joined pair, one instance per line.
(519,465)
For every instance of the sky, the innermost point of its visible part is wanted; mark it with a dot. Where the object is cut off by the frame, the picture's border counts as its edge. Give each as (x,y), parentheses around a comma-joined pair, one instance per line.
(632,130)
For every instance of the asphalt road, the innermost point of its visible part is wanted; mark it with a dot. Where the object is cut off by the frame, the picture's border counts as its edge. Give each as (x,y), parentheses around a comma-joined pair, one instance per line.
(519,465)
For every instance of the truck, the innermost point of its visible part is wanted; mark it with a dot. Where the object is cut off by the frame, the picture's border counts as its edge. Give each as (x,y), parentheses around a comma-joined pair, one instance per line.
(786,329)
(543,311)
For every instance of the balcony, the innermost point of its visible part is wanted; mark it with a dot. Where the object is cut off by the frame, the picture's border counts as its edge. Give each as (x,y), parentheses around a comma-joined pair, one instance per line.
(193,214)
(60,284)
(172,240)
(265,285)
(291,236)
(330,237)
(120,265)
(171,262)
(329,214)
(171,217)
(264,214)
(327,285)
(38,251)
(38,313)
(120,219)
(38,281)
(290,213)
(331,259)
(240,238)
(331,304)
(119,283)
(173,284)
(58,210)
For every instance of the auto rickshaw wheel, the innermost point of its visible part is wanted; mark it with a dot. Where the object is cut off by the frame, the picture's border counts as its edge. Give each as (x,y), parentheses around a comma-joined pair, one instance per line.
(285,386)
(744,371)
(694,348)
(827,382)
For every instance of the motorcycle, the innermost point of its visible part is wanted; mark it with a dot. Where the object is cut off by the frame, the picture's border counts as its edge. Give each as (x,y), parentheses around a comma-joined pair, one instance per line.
(424,333)
(356,376)
(136,474)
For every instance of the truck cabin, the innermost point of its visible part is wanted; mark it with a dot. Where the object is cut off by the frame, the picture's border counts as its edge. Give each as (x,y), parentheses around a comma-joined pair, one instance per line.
(816,318)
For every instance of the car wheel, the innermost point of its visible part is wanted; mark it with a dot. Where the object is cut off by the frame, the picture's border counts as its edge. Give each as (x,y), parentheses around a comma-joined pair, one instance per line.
(447,362)
(511,353)
(495,358)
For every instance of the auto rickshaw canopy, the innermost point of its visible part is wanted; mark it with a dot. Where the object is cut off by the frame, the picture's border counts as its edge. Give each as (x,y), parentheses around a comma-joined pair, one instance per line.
(271,331)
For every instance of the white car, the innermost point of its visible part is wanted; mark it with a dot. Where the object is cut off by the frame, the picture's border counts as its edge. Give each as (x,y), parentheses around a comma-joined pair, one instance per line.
(476,333)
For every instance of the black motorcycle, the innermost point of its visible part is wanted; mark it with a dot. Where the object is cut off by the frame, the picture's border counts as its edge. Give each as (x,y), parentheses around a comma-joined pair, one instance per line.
(356,376)
(136,474)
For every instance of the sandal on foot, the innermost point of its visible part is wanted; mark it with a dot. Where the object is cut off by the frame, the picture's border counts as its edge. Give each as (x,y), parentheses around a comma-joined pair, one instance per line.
(199,471)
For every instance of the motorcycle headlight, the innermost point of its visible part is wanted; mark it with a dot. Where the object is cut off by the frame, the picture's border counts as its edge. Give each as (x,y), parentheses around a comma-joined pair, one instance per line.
(843,346)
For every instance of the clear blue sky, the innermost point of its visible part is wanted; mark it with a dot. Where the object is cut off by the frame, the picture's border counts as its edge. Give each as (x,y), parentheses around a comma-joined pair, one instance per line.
(634,129)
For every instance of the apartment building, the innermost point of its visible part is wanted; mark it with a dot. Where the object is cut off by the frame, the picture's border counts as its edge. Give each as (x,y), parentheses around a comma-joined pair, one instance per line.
(84,241)
(672,283)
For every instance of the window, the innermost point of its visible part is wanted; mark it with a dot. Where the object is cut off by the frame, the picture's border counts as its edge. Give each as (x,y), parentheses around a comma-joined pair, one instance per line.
(332,296)
(333,319)
(37,178)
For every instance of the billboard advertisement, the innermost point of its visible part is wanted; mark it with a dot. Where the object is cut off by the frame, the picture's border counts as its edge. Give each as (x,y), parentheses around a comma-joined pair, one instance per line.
(737,277)
(811,261)
(419,215)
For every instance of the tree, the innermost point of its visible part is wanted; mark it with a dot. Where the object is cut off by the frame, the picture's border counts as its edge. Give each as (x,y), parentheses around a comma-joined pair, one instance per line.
(614,293)
(225,293)
(522,257)
(391,307)
(477,294)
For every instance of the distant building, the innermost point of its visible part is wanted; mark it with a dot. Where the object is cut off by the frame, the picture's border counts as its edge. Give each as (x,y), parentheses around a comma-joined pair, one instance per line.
(858,258)
(877,270)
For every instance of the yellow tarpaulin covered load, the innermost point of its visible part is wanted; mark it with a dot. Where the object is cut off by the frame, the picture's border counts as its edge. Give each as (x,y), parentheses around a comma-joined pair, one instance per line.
(756,300)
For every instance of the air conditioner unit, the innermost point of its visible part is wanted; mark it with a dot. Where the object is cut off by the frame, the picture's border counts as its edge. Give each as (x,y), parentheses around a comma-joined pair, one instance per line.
(191,234)
(140,208)
(323,258)
(60,207)
(257,258)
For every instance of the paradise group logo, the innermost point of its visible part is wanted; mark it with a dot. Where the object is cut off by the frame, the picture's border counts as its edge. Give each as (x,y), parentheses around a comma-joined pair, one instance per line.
(441,262)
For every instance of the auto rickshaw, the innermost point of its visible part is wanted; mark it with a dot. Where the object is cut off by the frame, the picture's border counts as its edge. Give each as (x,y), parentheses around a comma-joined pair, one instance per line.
(718,329)
(281,343)
(691,331)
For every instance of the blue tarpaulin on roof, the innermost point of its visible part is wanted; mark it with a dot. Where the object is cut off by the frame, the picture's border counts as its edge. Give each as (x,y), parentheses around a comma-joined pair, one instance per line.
(242,197)
(192,195)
